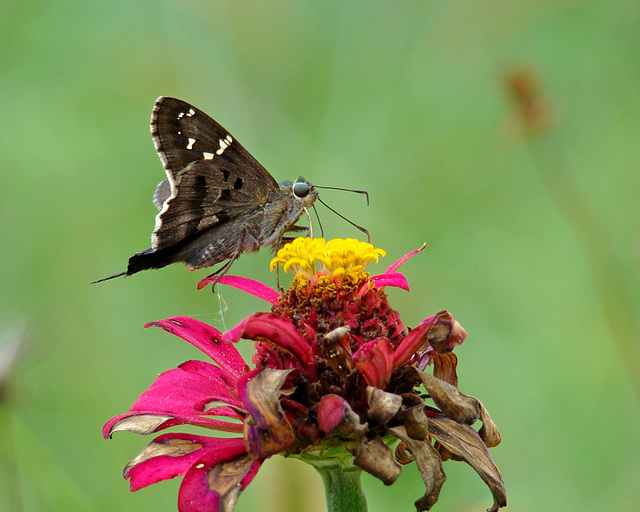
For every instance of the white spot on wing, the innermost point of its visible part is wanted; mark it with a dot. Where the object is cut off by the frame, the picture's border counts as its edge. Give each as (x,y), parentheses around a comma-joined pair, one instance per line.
(191,112)
(224,144)
(208,156)
(191,143)
(180,115)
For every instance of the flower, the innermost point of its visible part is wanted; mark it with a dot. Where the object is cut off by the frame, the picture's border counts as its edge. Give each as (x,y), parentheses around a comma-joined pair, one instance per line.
(335,374)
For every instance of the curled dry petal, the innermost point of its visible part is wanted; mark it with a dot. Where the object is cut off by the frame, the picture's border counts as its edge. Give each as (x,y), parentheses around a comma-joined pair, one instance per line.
(171,455)
(147,422)
(207,339)
(457,406)
(446,333)
(415,422)
(444,367)
(383,406)
(267,430)
(488,432)
(260,391)
(137,423)
(429,465)
(376,458)
(336,418)
(465,443)
(214,483)
(264,442)
(336,351)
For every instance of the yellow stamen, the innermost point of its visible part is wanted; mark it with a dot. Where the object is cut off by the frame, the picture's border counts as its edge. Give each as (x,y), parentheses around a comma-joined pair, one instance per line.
(337,257)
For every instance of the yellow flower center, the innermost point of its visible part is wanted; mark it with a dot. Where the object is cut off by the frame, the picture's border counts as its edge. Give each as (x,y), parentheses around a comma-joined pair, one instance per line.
(337,257)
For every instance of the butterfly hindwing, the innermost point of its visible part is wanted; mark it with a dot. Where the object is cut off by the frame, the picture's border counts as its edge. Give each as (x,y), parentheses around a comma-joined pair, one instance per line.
(204,197)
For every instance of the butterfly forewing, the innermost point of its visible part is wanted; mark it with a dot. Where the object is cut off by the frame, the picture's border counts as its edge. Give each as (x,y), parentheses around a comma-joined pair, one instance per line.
(211,178)
(183,134)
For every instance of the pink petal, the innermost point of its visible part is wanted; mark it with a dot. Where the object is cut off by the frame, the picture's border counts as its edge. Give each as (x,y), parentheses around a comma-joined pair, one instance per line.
(270,328)
(375,361)
(214,373)
(216,480)
(260,290)
(397,264)
(413,342)
(152,469)
(178,392)
(391,279)
(207,339)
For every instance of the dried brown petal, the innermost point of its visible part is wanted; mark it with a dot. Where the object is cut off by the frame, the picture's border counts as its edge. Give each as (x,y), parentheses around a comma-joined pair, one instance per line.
(402,453)
(465,443)
(382,405)
(225,479)
(139,424)
(444,367)
(429,465)
(336,351)
(376,458)
(262,395)
(416,423)
(172,447)
(460,407)
(488,432)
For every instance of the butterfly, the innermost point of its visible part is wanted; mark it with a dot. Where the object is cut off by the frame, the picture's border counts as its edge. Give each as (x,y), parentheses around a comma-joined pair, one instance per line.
(217,201)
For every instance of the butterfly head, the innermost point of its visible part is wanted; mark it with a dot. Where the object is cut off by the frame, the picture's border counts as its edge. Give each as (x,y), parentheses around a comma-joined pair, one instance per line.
(302,191)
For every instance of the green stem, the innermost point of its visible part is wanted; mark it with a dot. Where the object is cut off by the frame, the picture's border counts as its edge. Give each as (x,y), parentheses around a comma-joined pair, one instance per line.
(343,489)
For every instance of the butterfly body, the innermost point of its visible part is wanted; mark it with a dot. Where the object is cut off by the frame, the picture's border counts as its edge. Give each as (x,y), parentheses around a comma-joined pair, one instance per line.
(217,201)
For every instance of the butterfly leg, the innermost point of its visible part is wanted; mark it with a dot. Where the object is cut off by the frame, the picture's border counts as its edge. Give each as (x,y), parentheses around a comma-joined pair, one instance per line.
(223,270)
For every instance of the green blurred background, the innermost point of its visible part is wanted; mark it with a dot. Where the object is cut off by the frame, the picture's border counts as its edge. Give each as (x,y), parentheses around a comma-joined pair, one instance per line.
(533,242)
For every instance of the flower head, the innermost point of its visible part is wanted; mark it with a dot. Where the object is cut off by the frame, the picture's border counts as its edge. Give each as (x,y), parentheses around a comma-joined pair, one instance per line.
(334,369)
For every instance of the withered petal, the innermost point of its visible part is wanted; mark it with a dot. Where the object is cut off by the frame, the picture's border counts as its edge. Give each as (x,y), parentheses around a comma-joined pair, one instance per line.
(336,351)
(383,406)
(488,432)
(446,333)
(264,442)
(138,424)
(429,465)
(457,406)
(444,367)
(465,443)
(415,422)
(173,447)
(260,391)
(376,458)
(214,485)
(337,418)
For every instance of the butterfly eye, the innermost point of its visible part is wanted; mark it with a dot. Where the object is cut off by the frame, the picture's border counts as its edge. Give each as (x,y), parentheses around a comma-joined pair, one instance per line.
(301,189)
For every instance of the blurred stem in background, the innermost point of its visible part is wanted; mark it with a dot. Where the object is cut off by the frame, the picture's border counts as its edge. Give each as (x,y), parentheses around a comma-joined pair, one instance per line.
(12,348)
(536,119)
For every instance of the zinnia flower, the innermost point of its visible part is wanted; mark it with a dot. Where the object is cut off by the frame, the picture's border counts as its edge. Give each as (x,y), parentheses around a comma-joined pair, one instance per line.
(337,379)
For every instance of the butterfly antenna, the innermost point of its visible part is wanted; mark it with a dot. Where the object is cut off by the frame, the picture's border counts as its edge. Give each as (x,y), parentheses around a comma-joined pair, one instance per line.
(319,223)
(366,194)
(357,226)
